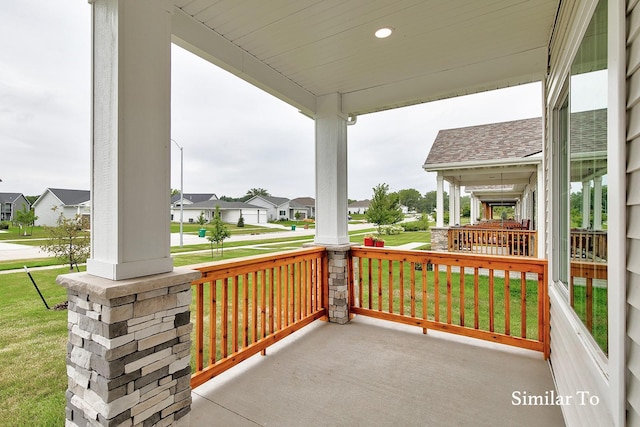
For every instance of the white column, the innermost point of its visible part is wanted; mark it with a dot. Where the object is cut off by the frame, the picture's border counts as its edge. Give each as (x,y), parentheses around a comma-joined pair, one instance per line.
(540,215)
(452,204)
(472,205)
(457,200)
(130,151)
(597,203)
(331,172)
(586,204)
(439,201)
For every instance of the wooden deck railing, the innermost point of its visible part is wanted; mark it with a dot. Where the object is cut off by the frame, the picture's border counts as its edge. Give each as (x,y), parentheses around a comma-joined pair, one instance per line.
(493,241)
(588,271)
(243,306)
(588,245)
(500,299)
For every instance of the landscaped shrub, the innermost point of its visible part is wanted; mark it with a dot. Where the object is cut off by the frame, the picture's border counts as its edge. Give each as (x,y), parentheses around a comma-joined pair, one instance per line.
(4,225)
(391,229)
(240,221)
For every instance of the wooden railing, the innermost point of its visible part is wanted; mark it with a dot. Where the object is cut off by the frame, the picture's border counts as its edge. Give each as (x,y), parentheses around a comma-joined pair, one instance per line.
(500,299)
(493,241)
(587,271)
(588,245)
(243,306)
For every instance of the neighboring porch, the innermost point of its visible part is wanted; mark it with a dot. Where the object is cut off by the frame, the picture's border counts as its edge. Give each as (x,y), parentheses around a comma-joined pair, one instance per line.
(373,372)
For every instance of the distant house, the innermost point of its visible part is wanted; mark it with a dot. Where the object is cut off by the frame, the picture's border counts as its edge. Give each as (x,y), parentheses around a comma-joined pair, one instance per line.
(359,207)
(229,211)
(188,199)
(57,200)
(277,207)
(10,203)
(305,206)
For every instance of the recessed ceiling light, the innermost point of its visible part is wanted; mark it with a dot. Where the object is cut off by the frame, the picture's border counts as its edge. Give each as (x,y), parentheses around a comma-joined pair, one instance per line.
(384,32)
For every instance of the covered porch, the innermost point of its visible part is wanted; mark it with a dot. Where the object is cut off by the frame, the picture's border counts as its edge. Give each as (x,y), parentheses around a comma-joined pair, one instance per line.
(131,319)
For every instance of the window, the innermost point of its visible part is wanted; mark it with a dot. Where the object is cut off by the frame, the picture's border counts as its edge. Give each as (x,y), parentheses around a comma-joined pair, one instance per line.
(580,155)
(283,213)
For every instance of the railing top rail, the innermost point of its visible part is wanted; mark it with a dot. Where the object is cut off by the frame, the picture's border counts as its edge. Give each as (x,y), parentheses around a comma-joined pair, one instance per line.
(499,262)
(492,229)
(255,262)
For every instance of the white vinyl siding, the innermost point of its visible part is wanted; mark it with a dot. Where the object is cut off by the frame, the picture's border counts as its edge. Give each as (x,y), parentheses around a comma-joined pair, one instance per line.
(633,214)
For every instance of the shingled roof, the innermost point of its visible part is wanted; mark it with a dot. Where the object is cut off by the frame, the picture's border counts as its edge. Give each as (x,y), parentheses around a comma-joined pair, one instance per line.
(506,140)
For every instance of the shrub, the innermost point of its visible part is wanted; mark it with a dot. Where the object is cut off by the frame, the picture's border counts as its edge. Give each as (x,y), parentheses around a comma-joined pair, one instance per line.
(4,225)
(240,221)
(391,229)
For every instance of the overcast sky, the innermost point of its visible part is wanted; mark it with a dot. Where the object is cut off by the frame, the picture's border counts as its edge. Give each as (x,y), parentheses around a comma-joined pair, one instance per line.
(235,136)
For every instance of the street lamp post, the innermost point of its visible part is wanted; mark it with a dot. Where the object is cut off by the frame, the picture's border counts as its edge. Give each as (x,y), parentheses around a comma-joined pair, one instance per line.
(181,188)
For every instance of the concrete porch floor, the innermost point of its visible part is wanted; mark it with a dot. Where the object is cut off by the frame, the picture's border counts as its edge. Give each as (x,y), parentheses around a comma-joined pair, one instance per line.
(376,373)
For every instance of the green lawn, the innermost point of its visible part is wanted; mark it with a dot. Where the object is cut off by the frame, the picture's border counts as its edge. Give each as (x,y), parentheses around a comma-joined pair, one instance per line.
(33,377)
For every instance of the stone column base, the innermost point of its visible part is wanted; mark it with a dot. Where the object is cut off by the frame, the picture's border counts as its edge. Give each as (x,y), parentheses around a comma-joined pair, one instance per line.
(129,349)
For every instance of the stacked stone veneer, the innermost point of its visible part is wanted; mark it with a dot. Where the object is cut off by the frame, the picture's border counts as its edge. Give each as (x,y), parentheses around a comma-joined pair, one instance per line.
(440,239)
(129,350)
(338,257)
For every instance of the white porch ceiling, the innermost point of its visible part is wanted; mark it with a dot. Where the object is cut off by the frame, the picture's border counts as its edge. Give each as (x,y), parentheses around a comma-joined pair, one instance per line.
(298,50)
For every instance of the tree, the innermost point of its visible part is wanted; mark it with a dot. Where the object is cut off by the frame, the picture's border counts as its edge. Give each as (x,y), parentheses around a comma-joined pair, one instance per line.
(25,218)
(68,241)
(201,219)
(219,232)
(257,192)
(410,198)
(384,208)
(174,191)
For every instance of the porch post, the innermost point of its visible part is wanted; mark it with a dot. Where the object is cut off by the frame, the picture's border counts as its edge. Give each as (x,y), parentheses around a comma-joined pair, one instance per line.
(586,204)
(597,203)
(472,201)
(331,200)
(130,152)
(452,204)
(457,208)
(440,200)
(331,172)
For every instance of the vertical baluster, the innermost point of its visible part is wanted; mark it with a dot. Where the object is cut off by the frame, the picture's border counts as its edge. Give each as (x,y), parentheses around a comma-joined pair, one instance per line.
(379,285)
(390,284)
(476,298)
(412,266)
(272,305)
(199,325)
(401,266)
(589,303)
(507,303)
(224,321)
(234,315)
(255,289)
(523,304)
(279,299)
(361,286)
(436,292)
(213,321)
(461,296)
(370,281)
(491,308)
(449,294)
(424,294)
(245,310)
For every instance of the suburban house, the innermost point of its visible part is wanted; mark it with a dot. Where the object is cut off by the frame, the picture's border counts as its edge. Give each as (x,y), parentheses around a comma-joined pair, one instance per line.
(359,207)
(10,203)
(229,212)
(277,207)
(188,199)
(56,201)
(322,58)
(305,207)
(498,164)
